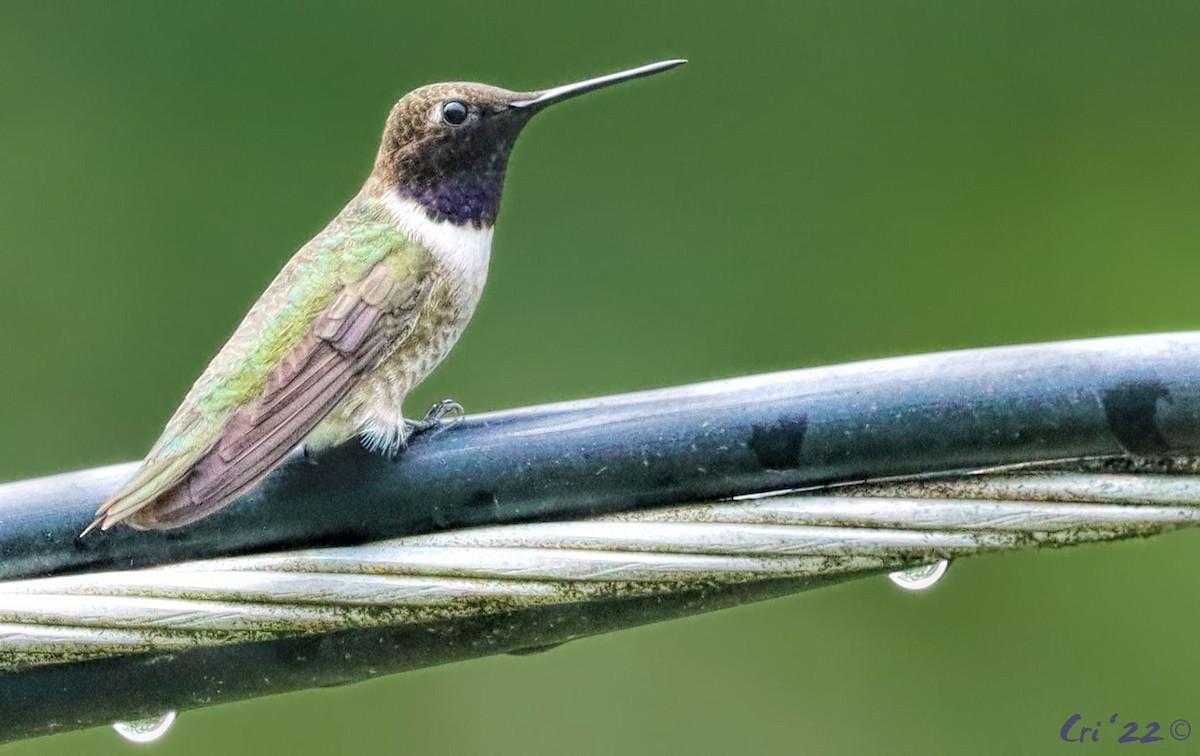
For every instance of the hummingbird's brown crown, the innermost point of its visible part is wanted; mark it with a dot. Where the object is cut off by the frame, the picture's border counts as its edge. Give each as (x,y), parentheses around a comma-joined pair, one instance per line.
(446,146)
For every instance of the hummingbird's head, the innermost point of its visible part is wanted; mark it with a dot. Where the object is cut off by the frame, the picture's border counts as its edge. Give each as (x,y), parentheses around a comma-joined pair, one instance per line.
(446,146)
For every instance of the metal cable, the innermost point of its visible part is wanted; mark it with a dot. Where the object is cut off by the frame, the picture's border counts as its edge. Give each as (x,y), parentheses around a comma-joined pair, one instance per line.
(435,579)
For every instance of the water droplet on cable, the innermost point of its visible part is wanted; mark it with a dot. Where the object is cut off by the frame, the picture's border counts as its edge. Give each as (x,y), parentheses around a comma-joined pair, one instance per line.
(920,578)
(145,730)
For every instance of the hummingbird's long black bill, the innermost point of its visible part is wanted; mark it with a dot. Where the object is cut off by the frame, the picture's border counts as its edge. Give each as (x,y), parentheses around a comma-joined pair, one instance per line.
(567,91)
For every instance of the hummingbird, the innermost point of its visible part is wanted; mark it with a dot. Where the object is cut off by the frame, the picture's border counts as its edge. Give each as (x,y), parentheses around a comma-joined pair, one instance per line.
(358,316)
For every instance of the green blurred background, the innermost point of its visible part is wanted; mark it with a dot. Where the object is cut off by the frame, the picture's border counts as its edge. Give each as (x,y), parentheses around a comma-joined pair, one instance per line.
(825,182)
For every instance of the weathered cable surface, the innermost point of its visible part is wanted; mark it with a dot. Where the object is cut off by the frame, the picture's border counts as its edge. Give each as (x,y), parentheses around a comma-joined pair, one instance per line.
(296,619)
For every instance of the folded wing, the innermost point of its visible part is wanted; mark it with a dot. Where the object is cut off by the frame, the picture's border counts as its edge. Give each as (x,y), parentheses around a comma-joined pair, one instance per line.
(349,337)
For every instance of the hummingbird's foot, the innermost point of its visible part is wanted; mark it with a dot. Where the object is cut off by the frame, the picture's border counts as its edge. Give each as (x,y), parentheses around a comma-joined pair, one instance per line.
(394,441)
(433,417)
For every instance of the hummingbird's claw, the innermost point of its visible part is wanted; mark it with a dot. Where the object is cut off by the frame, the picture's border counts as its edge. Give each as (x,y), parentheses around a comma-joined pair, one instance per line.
(397,444)
(434,416)
(440,409)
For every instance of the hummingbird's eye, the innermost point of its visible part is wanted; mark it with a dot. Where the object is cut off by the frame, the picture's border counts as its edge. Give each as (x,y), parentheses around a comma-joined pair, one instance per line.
(454,112)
